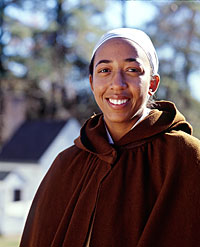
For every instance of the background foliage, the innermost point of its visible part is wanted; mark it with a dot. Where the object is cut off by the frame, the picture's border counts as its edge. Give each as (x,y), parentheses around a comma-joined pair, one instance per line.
(176,34)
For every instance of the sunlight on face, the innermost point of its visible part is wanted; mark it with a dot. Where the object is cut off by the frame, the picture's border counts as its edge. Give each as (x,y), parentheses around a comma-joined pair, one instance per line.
(121,81)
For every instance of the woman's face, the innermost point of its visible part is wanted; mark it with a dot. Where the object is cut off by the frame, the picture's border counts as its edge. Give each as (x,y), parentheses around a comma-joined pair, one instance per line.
(121,81)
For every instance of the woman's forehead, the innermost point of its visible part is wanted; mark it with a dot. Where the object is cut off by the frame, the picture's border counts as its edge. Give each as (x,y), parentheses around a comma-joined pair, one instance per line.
(120,48)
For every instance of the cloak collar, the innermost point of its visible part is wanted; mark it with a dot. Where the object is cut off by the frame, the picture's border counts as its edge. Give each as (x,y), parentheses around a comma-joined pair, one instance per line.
(163,119)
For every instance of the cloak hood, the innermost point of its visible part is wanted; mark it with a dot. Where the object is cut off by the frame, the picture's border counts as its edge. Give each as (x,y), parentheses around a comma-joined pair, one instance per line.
(164,119)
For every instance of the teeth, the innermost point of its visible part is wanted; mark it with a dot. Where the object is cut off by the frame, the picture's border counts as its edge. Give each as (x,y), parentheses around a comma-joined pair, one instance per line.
(118,101)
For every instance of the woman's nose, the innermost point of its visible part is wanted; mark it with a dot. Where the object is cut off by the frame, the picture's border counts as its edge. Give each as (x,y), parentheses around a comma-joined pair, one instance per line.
(118,81)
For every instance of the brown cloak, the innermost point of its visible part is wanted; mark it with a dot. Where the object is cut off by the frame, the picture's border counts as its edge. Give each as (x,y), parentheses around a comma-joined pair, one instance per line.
(143,191)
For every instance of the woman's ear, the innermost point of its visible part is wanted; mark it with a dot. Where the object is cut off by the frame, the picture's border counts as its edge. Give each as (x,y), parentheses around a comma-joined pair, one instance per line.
(154,83)
(91,82)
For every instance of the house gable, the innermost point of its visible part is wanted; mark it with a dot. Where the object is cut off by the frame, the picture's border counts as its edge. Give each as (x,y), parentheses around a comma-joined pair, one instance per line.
(63,140)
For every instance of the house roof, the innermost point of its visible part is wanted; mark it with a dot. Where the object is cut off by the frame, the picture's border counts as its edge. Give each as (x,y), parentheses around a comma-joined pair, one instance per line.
(3,174)
(31,140)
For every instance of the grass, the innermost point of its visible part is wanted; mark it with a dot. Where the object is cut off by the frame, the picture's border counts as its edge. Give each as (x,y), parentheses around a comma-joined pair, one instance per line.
(9,241)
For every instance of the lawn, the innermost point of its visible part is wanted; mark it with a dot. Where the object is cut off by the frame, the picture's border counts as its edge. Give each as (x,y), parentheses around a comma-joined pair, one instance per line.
(9,241)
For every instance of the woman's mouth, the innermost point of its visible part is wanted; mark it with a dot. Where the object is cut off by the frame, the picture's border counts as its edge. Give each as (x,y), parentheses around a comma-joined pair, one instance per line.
(118,101)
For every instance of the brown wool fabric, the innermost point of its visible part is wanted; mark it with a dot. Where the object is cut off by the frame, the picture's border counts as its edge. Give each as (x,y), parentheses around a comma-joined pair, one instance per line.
(144,191)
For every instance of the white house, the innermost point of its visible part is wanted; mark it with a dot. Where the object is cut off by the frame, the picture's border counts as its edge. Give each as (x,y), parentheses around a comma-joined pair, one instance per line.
(24,160)
(11,186)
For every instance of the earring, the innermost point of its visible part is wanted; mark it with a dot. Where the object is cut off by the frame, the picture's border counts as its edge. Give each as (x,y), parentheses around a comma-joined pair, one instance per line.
(150,92)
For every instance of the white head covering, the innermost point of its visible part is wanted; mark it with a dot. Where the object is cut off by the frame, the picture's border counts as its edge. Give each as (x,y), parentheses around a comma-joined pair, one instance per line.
(137,36)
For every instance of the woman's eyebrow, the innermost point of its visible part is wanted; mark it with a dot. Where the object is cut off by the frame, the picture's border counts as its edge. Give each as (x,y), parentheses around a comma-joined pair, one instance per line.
(103,61)
(130,59)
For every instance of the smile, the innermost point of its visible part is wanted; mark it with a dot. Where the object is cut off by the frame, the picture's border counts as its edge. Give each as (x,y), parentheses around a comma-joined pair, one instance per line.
(118,101)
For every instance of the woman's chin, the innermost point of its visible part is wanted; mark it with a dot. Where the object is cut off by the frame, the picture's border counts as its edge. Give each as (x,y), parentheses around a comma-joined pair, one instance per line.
(118,119)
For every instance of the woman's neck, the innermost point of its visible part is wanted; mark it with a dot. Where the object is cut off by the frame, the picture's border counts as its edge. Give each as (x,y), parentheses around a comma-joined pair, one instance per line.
(118,129)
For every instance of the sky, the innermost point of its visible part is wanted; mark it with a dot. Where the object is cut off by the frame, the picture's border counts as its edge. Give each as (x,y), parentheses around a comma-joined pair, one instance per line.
(137,13)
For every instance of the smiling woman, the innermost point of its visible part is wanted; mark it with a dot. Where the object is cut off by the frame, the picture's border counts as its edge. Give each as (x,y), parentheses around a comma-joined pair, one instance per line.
(131,179)
(121,83)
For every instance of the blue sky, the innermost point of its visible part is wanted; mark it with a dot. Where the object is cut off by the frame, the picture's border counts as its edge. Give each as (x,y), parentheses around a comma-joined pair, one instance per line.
(137,13)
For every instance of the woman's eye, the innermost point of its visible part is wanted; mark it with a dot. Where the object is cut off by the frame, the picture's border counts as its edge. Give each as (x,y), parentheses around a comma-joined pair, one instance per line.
(104,70)
(136,70)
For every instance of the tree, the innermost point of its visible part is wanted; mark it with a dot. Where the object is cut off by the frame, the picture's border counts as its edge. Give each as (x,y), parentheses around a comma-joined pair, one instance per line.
(48,54)
(176,35)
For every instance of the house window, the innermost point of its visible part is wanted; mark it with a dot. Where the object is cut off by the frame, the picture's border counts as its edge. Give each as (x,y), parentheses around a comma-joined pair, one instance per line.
(17,195)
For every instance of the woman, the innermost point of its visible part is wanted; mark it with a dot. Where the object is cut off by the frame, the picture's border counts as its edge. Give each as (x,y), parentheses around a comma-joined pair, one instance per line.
(133,176)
